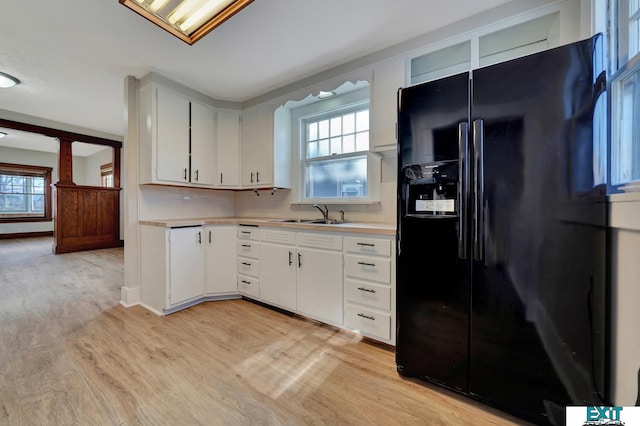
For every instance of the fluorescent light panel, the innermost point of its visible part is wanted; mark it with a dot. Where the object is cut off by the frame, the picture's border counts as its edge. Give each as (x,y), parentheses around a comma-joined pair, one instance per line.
(189,20)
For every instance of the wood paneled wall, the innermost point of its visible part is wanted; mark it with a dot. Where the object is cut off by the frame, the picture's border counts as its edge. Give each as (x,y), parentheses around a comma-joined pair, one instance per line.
(87,217)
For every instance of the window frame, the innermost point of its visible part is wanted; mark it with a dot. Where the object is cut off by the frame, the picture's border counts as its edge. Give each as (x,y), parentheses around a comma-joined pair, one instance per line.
(326,108)
(621,68)
(27,170)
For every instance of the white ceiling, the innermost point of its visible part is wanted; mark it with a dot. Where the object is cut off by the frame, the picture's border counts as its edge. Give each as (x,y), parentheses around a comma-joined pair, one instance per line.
(72,56)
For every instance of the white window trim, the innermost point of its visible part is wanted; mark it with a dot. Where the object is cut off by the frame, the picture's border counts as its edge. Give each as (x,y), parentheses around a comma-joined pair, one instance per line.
(348,101)
(617,74)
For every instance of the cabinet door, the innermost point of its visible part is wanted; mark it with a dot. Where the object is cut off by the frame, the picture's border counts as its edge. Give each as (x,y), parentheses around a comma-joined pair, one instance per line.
(186,264)
(257,146)
(228,139)
(172,137)
(319,290)
(202,145)
(278,275)
(387,79)
(221,259)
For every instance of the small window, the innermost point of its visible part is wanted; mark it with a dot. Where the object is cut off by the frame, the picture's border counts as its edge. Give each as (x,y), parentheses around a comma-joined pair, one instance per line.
(24,193)
(106,175)
(336,147)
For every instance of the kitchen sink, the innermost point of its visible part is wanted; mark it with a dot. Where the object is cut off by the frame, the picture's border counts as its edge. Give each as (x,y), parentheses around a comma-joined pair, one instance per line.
(327,221)
(311,221)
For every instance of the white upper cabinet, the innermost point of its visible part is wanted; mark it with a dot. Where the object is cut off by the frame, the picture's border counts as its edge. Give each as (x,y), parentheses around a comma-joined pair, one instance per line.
(172,136)
(257,147)
(175,138)
(387,79)
(265,159)
(228,148)
(203,155)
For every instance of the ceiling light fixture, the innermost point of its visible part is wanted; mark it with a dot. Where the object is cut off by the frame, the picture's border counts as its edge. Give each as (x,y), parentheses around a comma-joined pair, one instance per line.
(189,20)
(7,80)
(325,95)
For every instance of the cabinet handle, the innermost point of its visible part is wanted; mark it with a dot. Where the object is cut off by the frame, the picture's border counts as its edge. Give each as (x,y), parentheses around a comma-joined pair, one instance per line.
(209,236)
(245,232)
(246,282)
(251,177)
(220,178)
(361,315)
(246,245)
(257,177)
(185,174)
(197,175)
(199,237)
(299,260)
(366,244)
(290,261)
(367,264)
(368,290)
(246,264)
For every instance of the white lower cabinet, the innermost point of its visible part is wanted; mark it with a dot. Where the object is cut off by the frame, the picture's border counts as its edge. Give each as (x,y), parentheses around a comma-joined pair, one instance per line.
(302,272)
(343,279)
(369,286)
(278,268)
(172,267)
(320,284)
(186,254)
(248,261)
(220,260)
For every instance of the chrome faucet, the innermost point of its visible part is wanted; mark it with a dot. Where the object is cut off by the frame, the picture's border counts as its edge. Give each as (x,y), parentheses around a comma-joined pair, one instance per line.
(325,211)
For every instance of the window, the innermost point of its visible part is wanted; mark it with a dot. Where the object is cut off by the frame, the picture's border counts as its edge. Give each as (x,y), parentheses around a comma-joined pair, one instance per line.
(24,193)
(624,32)
(106,175)
(336,153)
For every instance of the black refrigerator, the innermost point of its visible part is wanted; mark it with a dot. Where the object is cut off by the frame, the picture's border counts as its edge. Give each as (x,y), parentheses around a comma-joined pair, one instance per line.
(502,232)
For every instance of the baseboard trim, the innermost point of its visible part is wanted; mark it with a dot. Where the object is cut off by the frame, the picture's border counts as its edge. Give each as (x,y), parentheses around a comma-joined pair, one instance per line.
(26,235)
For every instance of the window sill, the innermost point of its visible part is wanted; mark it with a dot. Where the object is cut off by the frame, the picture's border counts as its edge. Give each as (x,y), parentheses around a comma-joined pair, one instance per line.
(624,211)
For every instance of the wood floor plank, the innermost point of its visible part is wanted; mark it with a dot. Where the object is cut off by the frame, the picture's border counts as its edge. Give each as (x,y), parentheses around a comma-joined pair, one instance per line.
(70,354)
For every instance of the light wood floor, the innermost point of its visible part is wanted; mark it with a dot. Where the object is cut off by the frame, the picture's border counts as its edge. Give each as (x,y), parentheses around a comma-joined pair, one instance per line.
(71,355)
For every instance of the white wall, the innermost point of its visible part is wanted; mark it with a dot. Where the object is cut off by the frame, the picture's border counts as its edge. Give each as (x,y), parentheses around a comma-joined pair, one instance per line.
(625,292)
(32,158)
(92,163)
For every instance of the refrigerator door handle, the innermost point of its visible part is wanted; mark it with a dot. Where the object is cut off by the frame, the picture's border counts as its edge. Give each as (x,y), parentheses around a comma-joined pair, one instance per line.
(463,187)
(478,184)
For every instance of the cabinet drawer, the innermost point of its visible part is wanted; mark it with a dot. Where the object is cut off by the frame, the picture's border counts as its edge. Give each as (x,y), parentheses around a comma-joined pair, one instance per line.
(249,286)
(249,248)
(277,236)
(367,321)
(248,232)
(249,267)
(368,268)
(365,293)
(374,246)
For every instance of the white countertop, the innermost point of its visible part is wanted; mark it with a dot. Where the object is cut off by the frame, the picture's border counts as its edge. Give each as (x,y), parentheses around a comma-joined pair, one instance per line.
(360,227)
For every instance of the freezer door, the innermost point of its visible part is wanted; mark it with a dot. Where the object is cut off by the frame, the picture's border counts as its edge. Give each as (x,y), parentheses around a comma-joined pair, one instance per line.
(433,263)
(538,293)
